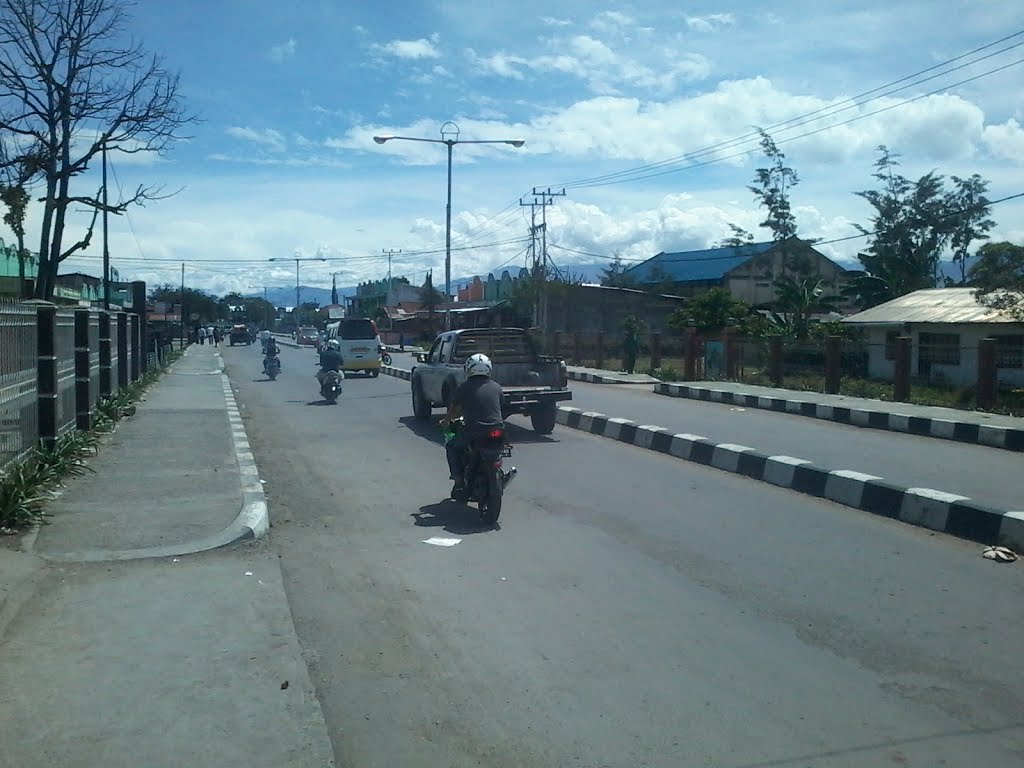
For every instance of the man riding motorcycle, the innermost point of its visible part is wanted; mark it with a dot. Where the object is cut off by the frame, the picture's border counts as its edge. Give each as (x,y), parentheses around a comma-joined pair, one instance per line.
(330,360)
(264,338)
(269,350)
(478,401)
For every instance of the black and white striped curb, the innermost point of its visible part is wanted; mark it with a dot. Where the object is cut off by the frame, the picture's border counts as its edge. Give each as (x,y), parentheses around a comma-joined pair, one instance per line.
(595,378)
(965,432)
(398,373)
(936,510)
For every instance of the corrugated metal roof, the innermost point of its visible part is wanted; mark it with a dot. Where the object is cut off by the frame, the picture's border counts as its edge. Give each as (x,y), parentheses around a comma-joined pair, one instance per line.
(937,305)
(696,266)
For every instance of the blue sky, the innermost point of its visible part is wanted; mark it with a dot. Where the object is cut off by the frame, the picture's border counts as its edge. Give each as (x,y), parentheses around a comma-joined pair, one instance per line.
(290,95)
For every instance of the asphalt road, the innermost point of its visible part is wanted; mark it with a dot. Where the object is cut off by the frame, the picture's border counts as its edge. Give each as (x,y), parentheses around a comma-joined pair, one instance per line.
(632,610)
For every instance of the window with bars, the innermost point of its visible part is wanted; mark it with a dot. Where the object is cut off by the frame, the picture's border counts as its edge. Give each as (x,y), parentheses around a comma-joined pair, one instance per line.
(1010,351)
(939,348)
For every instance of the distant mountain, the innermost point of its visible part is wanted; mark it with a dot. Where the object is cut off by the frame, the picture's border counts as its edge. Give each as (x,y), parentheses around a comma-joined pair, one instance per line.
(285,297)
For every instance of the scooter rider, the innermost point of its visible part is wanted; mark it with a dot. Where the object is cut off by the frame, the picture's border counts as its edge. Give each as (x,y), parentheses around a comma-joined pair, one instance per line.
(330,360)
(270,350)
(478,401)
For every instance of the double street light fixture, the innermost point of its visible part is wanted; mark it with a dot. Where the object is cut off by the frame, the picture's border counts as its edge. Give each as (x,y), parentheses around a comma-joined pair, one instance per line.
(449,137)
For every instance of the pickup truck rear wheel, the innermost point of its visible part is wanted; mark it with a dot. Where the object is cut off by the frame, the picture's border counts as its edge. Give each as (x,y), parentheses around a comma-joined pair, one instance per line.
(543,418)
(421,409)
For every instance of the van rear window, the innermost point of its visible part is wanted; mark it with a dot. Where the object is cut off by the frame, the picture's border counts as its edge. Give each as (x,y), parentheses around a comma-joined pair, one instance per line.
(354,328)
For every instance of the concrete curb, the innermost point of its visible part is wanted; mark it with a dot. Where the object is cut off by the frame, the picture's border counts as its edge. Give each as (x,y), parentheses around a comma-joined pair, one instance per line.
(252,521)
(936,510)
(398,373)
(943,429)
(593,378)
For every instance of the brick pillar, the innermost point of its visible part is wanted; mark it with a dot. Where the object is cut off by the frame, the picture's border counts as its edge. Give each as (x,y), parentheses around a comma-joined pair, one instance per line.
(106,385)
(655,350)
(775,361)
(83,395)
(600,350)
(46,372)
(833,364)
(138,365)
(122,350)
(690,372)
(901,381)
(987,374)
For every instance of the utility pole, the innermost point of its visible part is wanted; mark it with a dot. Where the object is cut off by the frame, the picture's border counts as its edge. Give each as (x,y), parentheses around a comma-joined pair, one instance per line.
(390,252)
(106,250)
(534,272)
(181,305)
(266,310)
(546,199)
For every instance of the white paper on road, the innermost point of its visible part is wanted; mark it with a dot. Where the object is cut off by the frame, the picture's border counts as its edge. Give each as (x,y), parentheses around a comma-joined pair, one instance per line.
(437,541)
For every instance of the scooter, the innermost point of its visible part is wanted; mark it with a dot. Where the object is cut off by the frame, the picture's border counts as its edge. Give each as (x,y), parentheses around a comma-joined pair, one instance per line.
(486,479)
(330,386)
(272,367)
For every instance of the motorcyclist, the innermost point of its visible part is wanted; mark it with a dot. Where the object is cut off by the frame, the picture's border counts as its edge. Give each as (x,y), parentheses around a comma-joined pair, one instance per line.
(264,338)
(270,350)
(330,359)
(478,401)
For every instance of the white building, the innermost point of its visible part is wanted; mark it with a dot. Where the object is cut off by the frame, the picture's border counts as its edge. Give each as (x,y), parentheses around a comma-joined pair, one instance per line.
(945,326)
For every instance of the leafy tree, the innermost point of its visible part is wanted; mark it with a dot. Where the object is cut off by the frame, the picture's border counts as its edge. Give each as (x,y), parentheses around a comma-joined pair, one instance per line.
(711,310)
(972,222)
(70,87)
(614,275)
(18,169)
(798,299)
(197,302)
(430,297)
(737,239)
(913,223)
(998,277)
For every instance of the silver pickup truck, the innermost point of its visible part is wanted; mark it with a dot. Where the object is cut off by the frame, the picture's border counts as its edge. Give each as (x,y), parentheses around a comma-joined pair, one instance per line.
(533,384)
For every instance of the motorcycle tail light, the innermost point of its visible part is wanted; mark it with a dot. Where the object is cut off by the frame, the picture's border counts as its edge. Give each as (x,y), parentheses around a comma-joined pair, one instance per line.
(496,434)
(498,463)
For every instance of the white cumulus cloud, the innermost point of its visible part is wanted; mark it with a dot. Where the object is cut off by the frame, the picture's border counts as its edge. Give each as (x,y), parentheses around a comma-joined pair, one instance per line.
(411,49)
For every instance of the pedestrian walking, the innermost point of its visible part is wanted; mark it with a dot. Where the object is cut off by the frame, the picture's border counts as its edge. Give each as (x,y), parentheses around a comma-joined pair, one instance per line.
(217,335)
(202,335)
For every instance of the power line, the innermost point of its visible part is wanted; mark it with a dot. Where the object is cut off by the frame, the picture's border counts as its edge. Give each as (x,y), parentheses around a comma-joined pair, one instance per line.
(832,108)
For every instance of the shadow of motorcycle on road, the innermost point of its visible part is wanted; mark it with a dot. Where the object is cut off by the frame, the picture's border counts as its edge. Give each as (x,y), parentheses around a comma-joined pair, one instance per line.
(453,517)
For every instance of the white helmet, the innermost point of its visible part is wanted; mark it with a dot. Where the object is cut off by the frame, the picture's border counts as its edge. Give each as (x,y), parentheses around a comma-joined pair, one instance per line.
(478,365)
(334,344)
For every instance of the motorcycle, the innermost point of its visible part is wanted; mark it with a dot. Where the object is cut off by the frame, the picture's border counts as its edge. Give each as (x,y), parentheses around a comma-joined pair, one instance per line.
(272,367)
(330,386)
(486,479)
(384,356)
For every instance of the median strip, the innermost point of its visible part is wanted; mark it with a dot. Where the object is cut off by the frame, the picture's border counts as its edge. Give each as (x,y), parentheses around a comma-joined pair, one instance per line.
(925,507)
(990,435)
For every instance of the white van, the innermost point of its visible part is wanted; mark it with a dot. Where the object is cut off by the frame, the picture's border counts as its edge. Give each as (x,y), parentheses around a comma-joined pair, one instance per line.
(360,343)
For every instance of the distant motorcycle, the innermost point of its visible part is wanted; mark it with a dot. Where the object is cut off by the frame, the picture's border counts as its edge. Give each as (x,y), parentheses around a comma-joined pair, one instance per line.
(486,480)
(330,386)
(272,367)
(384,356)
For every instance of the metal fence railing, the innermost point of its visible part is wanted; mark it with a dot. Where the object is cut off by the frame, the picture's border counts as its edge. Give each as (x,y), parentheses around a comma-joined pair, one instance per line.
(24,354)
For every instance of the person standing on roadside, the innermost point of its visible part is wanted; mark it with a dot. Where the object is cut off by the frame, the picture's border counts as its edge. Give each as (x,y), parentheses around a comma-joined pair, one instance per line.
(217,336)
(201,333)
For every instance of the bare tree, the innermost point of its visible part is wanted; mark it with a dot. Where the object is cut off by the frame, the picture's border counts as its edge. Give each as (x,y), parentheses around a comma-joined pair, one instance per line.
(72,85)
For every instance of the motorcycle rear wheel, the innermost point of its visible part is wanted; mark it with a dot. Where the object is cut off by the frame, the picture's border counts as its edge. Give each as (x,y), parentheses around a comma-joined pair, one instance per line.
(490,501)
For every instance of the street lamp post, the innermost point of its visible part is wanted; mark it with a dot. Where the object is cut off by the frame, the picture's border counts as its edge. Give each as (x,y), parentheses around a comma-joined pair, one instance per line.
(298,260)
(450,137)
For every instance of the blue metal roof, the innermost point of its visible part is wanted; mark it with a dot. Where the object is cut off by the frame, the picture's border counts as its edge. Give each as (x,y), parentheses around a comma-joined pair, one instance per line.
(697,266)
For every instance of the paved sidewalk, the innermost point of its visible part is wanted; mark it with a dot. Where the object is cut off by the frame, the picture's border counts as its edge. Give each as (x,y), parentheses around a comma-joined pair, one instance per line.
(117,647)
(991,429)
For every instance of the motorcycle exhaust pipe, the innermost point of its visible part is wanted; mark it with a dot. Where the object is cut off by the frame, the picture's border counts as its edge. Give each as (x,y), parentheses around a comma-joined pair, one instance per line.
(508,477)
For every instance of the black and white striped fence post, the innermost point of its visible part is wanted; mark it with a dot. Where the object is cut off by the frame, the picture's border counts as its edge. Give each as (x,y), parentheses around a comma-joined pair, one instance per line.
(46,372)
(106,385)
(83,400)
(122,350)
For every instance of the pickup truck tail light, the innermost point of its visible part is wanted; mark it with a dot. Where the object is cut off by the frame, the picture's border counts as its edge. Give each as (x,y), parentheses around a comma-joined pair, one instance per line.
(563,374)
